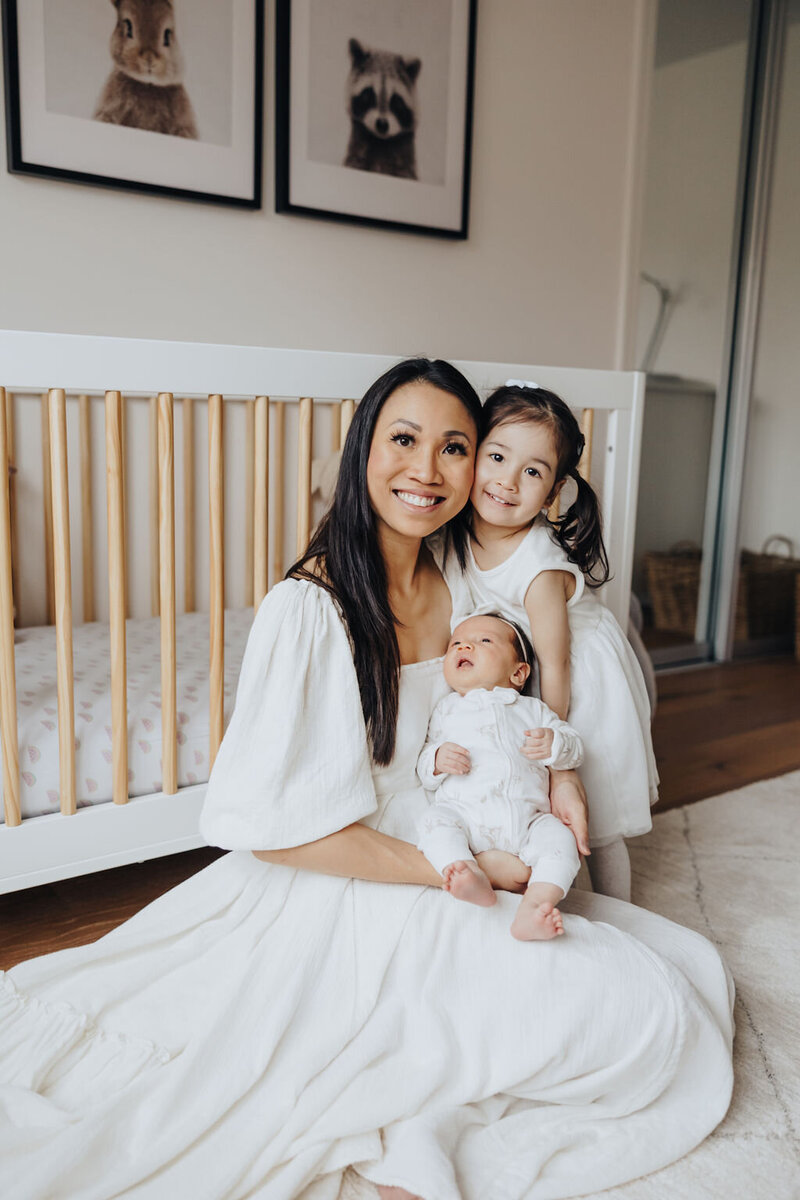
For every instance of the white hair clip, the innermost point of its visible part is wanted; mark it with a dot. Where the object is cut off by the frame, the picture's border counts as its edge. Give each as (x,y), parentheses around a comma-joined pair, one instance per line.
(522,383)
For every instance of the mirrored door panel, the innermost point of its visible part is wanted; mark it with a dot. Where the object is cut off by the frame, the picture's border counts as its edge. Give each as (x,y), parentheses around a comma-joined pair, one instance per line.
(689,229)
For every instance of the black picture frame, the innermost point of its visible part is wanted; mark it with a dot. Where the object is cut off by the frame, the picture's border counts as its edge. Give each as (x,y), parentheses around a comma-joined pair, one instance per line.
(297,196)
(246,143)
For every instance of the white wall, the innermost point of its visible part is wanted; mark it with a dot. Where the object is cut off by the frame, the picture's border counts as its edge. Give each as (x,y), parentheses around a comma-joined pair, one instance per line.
(541,277)
(690,197)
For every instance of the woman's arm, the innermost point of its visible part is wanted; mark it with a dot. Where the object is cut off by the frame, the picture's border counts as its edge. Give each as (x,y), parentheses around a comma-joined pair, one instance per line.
(546,606)
(359,852)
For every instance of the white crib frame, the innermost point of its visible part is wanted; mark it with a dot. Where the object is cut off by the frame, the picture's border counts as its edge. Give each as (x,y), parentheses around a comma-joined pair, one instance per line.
(47,848)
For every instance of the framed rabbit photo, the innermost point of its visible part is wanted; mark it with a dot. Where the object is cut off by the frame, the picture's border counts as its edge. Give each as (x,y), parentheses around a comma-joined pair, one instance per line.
(160,96)
(374,112)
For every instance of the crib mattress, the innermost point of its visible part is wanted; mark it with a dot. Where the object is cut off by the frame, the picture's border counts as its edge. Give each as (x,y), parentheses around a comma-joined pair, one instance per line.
(35,653)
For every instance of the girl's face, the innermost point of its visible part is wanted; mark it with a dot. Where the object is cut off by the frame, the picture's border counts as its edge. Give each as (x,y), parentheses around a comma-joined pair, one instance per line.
(421,460)
(515,473)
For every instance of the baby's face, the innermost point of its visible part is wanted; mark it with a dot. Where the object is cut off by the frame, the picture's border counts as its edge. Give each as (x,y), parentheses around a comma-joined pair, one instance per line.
(483,653)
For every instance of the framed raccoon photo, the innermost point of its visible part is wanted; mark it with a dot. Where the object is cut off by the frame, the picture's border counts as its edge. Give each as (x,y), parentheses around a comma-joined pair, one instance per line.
(160,96)
(374,112)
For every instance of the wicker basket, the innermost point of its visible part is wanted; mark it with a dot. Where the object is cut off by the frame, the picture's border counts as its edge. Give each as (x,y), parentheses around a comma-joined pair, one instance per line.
(770,582)
(673,581)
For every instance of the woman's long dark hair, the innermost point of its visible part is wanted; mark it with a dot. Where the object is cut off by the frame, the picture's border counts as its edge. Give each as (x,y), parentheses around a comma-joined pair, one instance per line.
(345,547)
(579,531)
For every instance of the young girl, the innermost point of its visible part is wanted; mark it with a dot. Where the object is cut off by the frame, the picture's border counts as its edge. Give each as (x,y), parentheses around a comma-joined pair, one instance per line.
(542,572)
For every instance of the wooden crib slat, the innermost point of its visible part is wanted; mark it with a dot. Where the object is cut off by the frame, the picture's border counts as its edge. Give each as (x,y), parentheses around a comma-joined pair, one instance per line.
(216,550)
(336,428)
(125,498)
(8,682)
(305,433)
(279,473)
(587,429)
(187,404)
(115,492)
(47,501)
(249,497)
(346,410)
(166,541)
(12,496)
(87,514)
(153,457)
(62,579)
(261,500)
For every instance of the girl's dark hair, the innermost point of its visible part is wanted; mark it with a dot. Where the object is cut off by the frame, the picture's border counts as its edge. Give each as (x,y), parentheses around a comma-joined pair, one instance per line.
(580,529)
(345,547)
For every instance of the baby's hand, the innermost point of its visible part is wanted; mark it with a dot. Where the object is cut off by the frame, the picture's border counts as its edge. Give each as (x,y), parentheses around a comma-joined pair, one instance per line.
(451,760)
(538,743)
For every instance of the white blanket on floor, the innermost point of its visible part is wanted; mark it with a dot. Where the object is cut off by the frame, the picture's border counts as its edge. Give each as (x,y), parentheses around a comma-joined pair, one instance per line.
(290,1034)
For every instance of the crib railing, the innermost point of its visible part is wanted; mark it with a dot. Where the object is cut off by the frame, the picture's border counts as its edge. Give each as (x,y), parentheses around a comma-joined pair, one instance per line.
(283,400)
(163,558)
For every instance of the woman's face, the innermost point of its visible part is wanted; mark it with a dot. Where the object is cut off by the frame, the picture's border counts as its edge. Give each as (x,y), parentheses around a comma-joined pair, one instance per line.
(420,466)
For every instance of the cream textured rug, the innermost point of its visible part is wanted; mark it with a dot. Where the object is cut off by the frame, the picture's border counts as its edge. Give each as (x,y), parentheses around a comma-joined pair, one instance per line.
(729,867)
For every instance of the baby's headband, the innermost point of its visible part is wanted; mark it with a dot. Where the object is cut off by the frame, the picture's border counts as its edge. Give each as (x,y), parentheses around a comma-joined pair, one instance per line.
(486,610)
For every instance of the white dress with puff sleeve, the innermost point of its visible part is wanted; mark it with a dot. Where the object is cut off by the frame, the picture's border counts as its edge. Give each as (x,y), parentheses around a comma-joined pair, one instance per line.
(257,1030)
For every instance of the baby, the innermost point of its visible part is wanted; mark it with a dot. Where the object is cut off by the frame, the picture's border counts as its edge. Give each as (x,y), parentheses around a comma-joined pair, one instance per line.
(493,787)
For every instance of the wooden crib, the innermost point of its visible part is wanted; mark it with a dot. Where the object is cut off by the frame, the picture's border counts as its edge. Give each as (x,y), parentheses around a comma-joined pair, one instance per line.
(278,411)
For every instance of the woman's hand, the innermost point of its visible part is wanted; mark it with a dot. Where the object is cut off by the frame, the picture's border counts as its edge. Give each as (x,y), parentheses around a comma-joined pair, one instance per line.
(568,803)
(505,872)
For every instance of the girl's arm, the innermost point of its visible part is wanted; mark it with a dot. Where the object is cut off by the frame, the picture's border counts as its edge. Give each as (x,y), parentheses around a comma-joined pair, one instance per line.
(546,606)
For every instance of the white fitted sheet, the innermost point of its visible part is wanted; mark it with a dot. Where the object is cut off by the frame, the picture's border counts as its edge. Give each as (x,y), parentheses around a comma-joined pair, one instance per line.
(35,653)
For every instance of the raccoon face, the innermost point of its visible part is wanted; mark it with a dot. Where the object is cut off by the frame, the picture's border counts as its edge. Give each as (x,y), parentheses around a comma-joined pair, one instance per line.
(381,91)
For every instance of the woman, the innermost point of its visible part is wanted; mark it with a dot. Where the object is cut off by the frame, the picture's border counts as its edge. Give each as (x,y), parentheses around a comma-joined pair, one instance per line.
(262,1027)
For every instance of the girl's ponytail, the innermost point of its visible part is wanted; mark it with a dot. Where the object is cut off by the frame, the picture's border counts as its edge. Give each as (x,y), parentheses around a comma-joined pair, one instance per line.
(579,531)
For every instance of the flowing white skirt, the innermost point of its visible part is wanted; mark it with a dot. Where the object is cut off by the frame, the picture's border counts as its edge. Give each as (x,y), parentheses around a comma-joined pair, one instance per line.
(256,1030)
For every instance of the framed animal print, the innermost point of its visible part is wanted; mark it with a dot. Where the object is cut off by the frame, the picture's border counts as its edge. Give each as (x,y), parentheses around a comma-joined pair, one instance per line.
(374,111)
(160,96)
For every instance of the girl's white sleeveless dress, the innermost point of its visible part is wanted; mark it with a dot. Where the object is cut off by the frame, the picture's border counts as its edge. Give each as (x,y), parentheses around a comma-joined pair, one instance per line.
(258,1030)
(609,706)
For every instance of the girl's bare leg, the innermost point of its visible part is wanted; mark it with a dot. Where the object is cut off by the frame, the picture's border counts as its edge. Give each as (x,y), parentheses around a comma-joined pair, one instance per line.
(610,870)
(537,919)
(395,1193)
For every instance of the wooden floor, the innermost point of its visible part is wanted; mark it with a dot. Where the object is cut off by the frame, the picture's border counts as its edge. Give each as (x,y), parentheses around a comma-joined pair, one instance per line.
(716,728)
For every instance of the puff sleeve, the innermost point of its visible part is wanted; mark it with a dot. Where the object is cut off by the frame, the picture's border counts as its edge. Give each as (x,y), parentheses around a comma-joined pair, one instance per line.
(294,764)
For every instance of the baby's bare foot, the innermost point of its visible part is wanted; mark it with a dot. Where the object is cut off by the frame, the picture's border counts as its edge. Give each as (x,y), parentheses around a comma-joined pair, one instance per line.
(396,1193)
(536,921)
(466,881)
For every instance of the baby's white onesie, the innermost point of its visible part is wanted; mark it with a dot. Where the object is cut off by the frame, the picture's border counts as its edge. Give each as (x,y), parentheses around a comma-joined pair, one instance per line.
(503,803)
